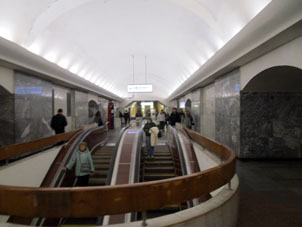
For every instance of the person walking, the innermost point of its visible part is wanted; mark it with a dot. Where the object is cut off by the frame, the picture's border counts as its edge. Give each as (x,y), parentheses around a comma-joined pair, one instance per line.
(98,118)
(187,120)
(126,117)
(162,120)
(83,165)
(174,117)
(150,124)
(58,122)
(121,116)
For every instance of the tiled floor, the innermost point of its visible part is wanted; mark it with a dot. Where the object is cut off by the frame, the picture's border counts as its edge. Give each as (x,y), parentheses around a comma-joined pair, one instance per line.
(270,193)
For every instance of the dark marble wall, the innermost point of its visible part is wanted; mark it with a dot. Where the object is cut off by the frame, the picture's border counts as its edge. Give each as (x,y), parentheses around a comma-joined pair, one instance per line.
(7,133)
(271,125)
(33,108)
(227,110)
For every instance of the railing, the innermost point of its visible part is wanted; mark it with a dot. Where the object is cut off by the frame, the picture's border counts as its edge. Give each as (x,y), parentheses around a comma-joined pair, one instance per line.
(105,200)
(15,150)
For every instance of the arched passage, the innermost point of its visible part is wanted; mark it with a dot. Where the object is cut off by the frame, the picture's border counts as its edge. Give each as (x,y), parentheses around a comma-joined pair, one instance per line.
(188,105)
(92,109)
(271,114)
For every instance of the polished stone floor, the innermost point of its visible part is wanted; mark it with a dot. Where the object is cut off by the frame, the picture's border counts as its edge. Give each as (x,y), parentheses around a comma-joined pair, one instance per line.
(270,193)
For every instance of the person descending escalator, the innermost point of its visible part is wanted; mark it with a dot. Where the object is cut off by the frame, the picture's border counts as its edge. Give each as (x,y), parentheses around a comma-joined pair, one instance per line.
(150,149)
(83,164)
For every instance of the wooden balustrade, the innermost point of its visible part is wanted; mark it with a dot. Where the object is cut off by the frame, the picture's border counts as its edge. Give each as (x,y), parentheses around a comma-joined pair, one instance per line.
(105,200)
(15,150)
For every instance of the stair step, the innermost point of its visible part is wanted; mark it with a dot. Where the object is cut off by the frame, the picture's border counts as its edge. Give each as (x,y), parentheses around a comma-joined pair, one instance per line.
(101,153)
(97,181)
(101,157)
(99,173)
(157,176)
(157,162)
(156,169)
(95,162)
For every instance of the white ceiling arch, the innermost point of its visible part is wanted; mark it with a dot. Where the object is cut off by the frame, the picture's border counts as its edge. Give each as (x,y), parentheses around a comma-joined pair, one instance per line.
(96,39)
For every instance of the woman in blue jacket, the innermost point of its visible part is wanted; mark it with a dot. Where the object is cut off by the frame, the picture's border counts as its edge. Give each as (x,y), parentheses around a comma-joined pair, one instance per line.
(83,164)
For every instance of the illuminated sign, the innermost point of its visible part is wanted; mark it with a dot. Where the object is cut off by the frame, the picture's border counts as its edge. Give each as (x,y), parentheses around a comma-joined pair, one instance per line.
(140,88)
(28,90)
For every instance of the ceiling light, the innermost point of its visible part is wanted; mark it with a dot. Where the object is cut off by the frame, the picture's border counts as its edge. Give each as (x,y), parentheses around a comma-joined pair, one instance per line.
(34,48)
(50,56)
(74,69)
(64,63)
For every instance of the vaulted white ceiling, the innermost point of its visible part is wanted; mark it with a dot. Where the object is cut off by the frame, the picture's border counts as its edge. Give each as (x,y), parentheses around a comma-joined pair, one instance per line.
(97,39)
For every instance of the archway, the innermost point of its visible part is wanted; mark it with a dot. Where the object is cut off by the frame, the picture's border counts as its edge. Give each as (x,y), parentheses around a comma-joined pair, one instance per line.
(92,109)
(188,105)
(271,114)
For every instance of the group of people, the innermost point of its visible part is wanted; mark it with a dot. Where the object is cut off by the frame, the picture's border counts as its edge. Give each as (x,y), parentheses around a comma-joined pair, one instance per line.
(82,159)
(125,116)
(184,118)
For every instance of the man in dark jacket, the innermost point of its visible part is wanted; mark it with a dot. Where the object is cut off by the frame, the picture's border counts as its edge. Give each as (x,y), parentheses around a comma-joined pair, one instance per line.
(127,117)
(146,129)
(174,117)
(58,122)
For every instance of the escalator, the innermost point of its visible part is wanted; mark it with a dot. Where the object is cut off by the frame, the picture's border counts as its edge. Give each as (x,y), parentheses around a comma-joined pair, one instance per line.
(101,160)
(161,167)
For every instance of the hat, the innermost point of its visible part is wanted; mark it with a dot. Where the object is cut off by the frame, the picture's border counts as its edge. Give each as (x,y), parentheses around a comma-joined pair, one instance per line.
(83,143)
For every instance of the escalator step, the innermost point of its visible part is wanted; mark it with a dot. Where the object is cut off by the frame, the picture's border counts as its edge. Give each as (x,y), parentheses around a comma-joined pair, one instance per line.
(97,181)
(98,174)
(100,158)
(148,177)
(159,169)
(96,162)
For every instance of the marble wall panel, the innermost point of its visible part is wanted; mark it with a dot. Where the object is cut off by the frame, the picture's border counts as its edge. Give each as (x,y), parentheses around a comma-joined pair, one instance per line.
(207,119)
(195,109)
(271,125)
(81,109)
(60,102)
(227,110)
(7,133)
(33,108)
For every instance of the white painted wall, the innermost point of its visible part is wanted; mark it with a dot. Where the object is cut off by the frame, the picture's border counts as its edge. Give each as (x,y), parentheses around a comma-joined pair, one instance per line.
(289,54)
(207,116)
(7,79)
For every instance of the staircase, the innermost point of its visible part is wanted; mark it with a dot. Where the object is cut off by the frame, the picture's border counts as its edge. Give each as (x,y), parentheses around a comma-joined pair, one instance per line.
(158,168)
(101,160)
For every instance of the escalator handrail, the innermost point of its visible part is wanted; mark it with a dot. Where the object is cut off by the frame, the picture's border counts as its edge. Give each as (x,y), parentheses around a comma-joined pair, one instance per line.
(93,201)
(181,159)
(15,150)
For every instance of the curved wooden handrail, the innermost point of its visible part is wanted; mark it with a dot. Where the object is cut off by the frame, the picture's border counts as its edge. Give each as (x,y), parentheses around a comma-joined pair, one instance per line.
(98,201)
(15,150)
